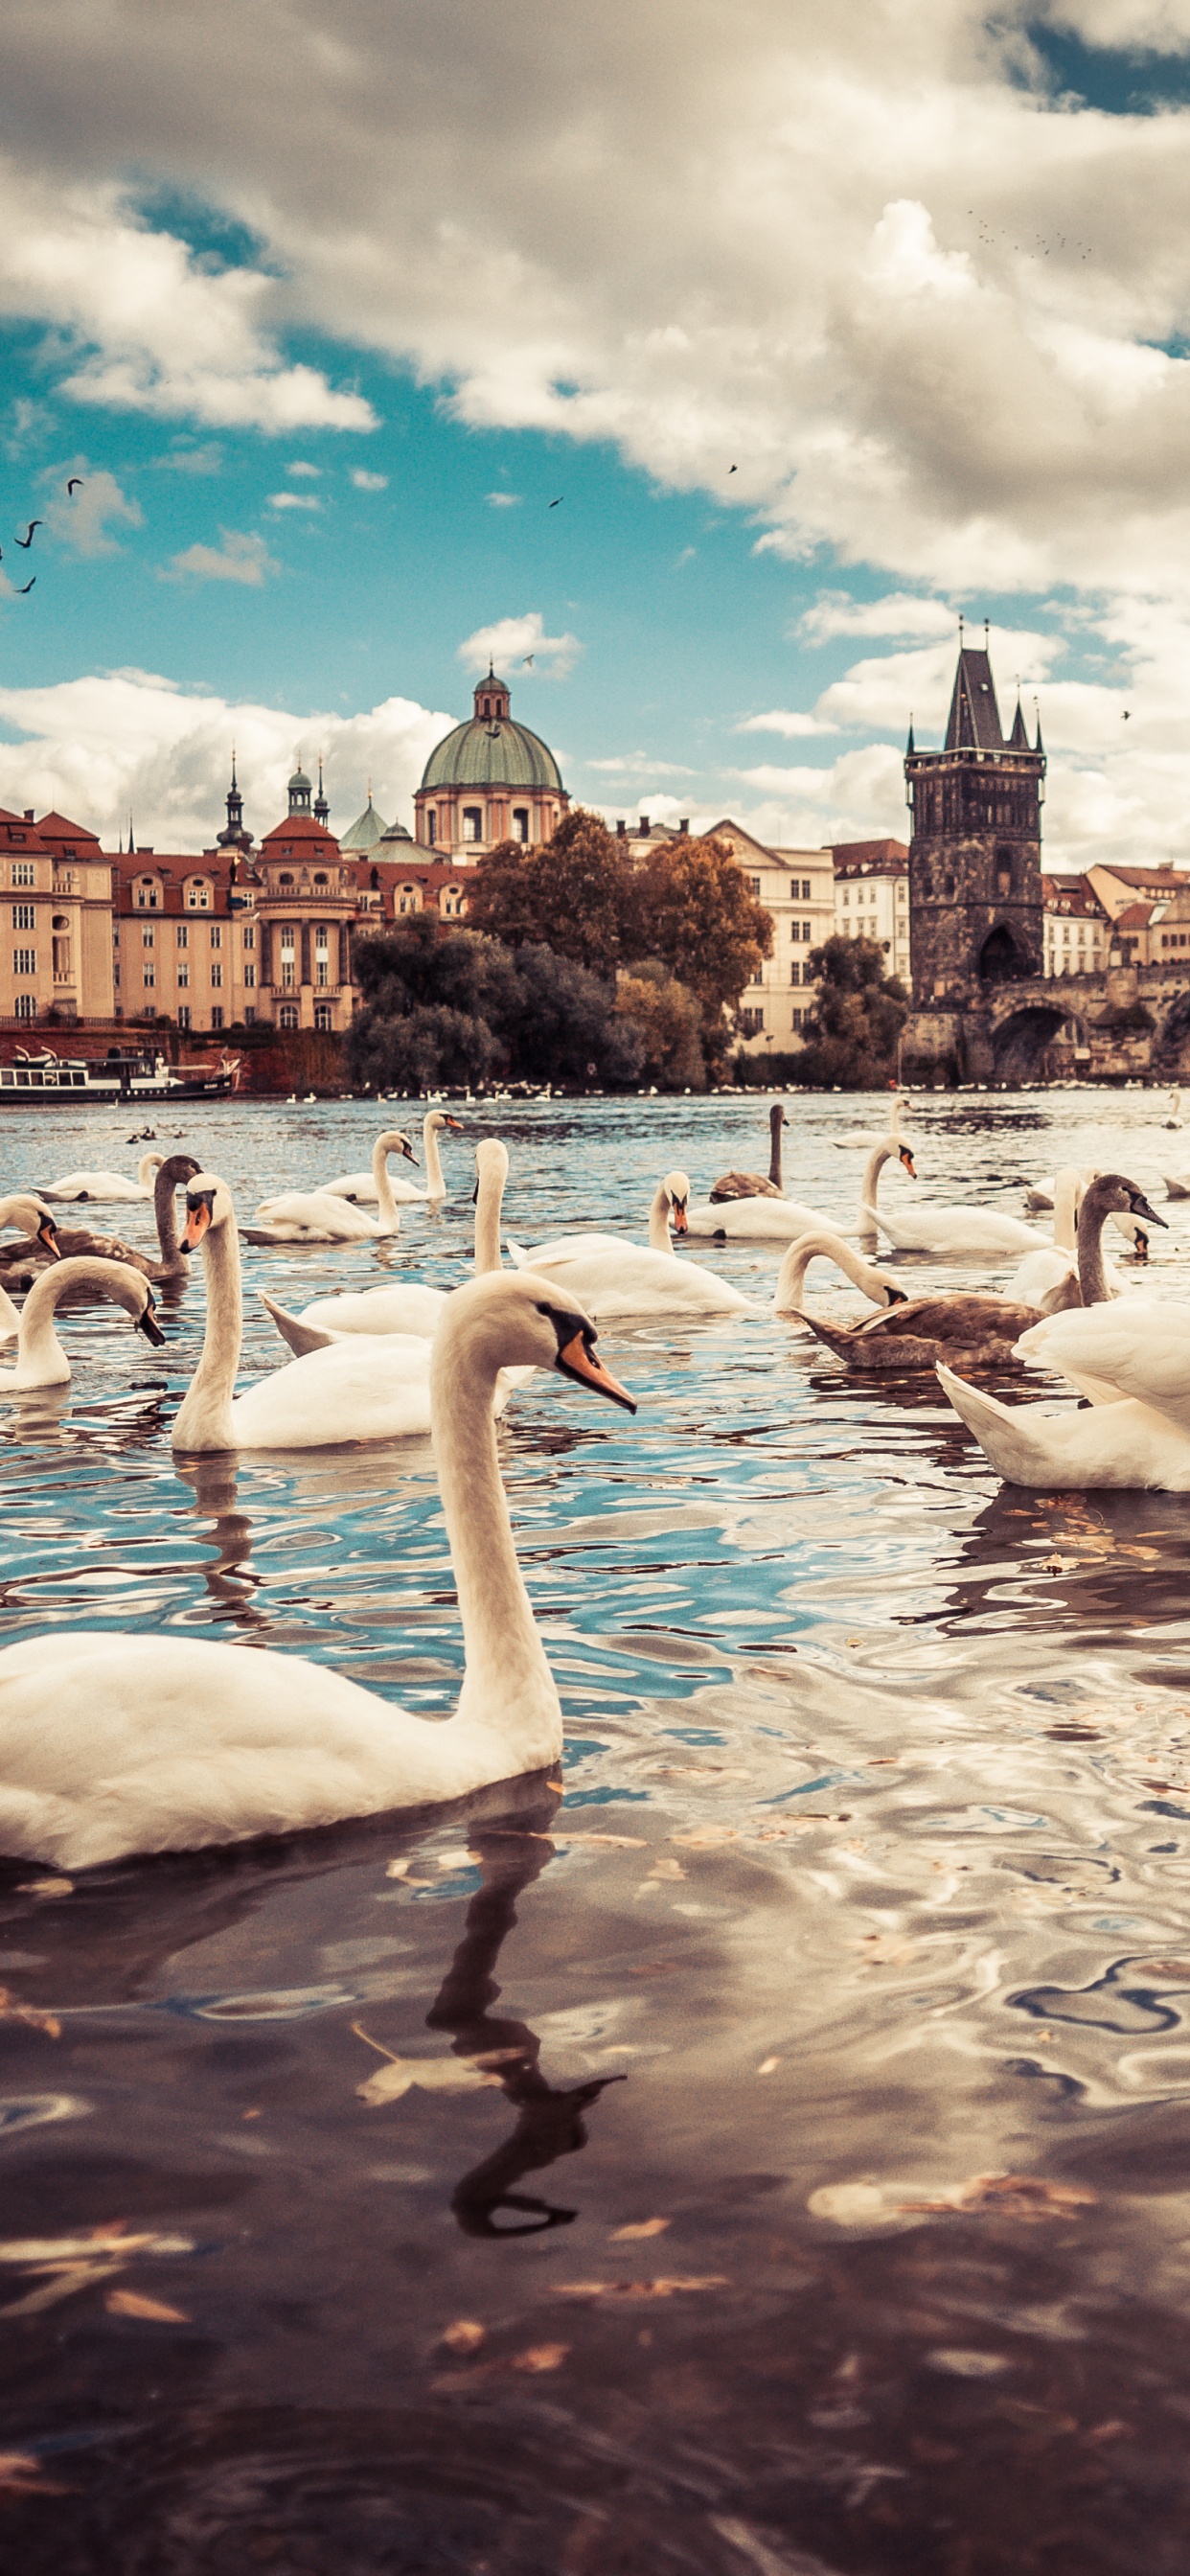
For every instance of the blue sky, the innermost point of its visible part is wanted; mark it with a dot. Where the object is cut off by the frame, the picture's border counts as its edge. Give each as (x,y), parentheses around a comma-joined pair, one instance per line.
(325,353)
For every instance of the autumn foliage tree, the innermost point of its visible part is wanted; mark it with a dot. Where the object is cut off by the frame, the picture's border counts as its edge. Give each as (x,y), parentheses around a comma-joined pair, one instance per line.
(570,894)
(852,1033)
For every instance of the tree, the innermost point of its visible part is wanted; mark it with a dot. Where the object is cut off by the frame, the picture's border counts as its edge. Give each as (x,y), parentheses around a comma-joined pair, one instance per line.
(852,1032)
(452,1006)
(670,1023)
(571,894)
(564,1026)
(694,910)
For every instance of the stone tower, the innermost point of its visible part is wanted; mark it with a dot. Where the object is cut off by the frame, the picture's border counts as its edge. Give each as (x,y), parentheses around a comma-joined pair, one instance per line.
(975,907)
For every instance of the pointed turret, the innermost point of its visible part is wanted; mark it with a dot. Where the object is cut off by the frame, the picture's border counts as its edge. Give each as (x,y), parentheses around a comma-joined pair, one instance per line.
(1018,739)
(910,746)
(974,722)
(1038,745)
(322,811)
(234,836)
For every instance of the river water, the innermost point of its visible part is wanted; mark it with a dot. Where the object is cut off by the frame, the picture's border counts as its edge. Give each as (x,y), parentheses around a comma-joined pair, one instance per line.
(829,2212)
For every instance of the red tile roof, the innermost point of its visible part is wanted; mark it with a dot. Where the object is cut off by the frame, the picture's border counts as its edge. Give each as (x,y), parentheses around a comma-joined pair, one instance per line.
(300,827)
(1074,895)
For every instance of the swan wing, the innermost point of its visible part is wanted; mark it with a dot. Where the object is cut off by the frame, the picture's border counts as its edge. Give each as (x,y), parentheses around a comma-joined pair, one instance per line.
(95,1185)
(356,1389)
(1135,1347)
(1039,1274)
(311,1216)
(294,1329)
(400,1309)
(1126,1445)
(628,1279)
(760,1220)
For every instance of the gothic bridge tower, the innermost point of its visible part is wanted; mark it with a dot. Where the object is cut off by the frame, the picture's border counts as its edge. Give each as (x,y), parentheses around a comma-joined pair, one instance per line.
(975,905)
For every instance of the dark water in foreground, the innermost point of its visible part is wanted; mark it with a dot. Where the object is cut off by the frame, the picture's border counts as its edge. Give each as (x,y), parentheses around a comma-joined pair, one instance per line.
(787,2165)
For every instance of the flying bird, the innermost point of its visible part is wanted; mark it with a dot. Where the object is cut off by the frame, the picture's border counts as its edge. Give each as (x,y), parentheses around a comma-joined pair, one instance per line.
(556,505)
(27,540)
(733,469)
(20,594)
(75,485)
(527,662)
(1127,714)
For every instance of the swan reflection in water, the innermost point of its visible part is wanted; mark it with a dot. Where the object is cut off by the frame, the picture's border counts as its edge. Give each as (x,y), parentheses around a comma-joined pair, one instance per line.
(549,2120)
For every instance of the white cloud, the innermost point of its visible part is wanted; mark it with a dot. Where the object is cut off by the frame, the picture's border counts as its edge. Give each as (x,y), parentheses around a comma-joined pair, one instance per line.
(240,558)
(294,501)
(784,721)
(83,519)
(513,639)
(504,500)
(192,460)
(366,482)
(299,468)
(637,764)
(899,613)
(97,746)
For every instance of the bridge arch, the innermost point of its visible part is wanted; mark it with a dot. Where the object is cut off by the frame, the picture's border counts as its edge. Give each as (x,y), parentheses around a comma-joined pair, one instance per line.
(1176,1023)
(1021,1041)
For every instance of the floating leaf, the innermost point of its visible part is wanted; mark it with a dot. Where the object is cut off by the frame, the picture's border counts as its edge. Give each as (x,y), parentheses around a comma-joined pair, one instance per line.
(768,2066)
(639,2227)
(22,2474)
(706,1835)
(461,1859)
(617,1842)
(665,1868)
(46,1887)
(430,2074)
(464,2335)
(541,2356)
(131,2303)
(663,2287)
(111,2238)
(11,2010)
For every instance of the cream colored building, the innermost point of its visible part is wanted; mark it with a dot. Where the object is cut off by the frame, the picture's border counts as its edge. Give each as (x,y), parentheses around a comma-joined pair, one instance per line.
(1077,926)
(56,920)
(872,898)
(797,889)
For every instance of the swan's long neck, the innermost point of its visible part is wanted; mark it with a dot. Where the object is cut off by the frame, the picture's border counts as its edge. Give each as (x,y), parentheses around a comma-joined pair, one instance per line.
(204,1421)
(659,1221)
(40,1356)
(1092,1277)
(146,1167)
(507,1684)
(879,1156)
(894,1117)
(487,1218)
(384,1193)
(165,1209)
(435,1178)
(1065,1203)
(791,1277)
(776,1124)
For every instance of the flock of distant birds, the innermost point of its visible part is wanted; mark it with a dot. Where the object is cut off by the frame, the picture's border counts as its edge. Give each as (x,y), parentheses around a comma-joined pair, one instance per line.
(75,484)
(113,1745)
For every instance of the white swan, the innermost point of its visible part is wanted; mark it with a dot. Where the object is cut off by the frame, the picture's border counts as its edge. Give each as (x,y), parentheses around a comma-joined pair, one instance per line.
(40,1230)
(41,1360)
(361,1186)
(782,1220)
(823,1244)
(313,1216)
(869,1136)
(363,1388)
(106,1185)
(1133,1362)
(406,1306)
(1041,1195)
(113,1745)
(611,1276)
(925,1228)
(1175,1109)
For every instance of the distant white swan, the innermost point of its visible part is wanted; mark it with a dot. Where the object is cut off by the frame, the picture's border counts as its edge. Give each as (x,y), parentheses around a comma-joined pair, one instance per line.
(782,1220)
(313,1216)
(869,1136)
(361,1187)
(925,1228)
(406,1306)
(1132,1360)
(611,1276)
(112,1745)
(1175,1109)
(41,1360)
(106,1185)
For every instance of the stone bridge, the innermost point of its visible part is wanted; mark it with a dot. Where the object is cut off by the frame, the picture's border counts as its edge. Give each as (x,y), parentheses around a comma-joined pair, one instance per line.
(1128,1023)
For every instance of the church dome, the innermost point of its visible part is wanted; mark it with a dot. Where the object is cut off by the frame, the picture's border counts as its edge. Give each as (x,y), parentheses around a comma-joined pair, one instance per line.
(368,828)
(492,751)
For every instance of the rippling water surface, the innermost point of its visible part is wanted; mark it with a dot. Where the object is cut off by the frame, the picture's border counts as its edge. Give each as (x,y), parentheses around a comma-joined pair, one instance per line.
(829,2207)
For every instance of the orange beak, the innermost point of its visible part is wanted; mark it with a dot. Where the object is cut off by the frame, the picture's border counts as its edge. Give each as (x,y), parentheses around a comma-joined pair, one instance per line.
(677,1216)
(47,1233)
(907,1160)
(456,1123)
(197,1220)
(579,1362)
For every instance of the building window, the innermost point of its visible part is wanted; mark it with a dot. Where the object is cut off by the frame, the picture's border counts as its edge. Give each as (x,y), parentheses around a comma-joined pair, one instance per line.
(24,916)
(217,1016)
(183,1013)
(24,961)
(24,872)
(751,1022)
(216,934)
(182,934)
(846,893)
(216,976)
(116,977)
(26,1006)
(805,889)
(754,886)
(520,822)
(249,937)
(795,973)
(198,897)
(432,827)
(407,901)
(320,881)
(148,895)
(323,1015)
(149,978)
(249,979)
(799,1019)
(62,973)
(452,902)
(472,823)
(287,1016)
(250,1019)
(183,979)
(807,930)
(147,937)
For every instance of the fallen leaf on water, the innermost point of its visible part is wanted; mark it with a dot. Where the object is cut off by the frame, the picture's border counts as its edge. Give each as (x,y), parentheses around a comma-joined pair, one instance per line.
(768,2066)
(665,1868)
(461,1859)
(430,2074)
(706,1835)
(541,2356)
(22,2474)
(398,1869)
(11,2010)
(663,2287)
(464,2335)
(619,1842)
(62,2284)
(1023,2196)
(46,1887)
(111,2238)
(639,2227)
(131,2303)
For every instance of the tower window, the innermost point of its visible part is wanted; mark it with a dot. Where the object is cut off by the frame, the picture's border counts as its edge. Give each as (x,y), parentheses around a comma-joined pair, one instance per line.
(948,886)
(432,827)
(520,823)
(472,823)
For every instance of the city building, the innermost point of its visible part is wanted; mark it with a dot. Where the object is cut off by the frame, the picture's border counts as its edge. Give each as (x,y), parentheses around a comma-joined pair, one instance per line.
(797,889)
(56,953)
(872,898)
(1077,927)
(975,901)
(490,780)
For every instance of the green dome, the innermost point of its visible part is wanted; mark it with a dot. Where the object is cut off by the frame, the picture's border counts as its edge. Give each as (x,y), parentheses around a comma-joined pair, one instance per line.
(496,754)
(368,828)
